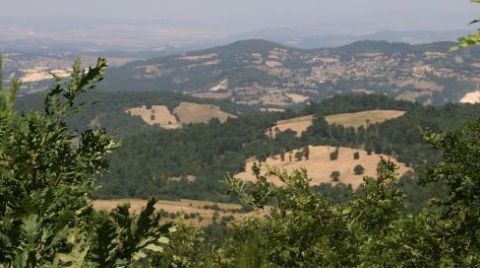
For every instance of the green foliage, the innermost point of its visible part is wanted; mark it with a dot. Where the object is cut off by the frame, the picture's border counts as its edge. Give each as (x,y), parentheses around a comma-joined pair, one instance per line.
(334,154)
(46,182)
(335,176)
(369,229)
(358,170)
(470,40)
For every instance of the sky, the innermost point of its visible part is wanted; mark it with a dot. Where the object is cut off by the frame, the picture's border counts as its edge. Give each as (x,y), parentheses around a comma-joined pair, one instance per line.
(255,14)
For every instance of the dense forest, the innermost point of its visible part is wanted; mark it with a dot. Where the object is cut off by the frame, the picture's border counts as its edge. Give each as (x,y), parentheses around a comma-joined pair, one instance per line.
(145,162)
(150,156)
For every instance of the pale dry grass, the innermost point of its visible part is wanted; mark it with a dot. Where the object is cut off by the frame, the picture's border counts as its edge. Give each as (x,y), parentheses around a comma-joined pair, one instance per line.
(471,97)
(41,74)
(297,98)
(157,115)
(419,84)
(199,58)
(298,124)
(302,123)
(189,112)
(186,112)
(213,95)
(223,85)
(362,118)
(183,206)
(273,64)
(319,166)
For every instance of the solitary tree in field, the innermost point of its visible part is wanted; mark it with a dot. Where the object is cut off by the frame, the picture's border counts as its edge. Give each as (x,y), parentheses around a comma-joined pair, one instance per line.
(306,152)
(299,156)
(334,154)
(335,176)
(358,170)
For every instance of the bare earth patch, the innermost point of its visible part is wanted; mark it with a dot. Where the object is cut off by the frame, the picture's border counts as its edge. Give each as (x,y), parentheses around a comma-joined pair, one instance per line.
(273,64)
(40,74)
(471,97)
(297,98)
(189,112)
(320,167)
(223,85)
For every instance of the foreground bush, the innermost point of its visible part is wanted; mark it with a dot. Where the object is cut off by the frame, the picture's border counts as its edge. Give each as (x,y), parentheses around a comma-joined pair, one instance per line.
(306,230)
(46,182)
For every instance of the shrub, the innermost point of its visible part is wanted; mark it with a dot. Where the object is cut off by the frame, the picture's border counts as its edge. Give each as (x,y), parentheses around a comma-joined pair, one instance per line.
(47,173)
(334,154)
(335,176)
(358,170)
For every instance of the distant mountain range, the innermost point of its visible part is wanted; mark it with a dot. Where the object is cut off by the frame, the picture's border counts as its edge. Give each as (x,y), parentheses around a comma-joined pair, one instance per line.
(310,39)
(271,75)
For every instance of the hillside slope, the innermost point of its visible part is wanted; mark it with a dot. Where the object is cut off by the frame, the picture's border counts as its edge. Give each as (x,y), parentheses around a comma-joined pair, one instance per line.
(266,74)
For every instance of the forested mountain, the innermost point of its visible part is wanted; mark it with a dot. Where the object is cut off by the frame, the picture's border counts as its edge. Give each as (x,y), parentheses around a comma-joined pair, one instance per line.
(267,74)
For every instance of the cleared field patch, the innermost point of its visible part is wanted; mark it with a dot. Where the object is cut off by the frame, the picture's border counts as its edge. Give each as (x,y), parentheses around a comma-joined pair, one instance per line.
(297,98)
(302,123)
(213,95)
(157,115)
(192,212)
(363,118)
(184,113)
(191,113)
(320,167)
(297,124)
(471,97)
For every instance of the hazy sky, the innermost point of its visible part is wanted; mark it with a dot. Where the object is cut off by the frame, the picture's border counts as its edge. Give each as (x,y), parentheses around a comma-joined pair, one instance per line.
(251,14)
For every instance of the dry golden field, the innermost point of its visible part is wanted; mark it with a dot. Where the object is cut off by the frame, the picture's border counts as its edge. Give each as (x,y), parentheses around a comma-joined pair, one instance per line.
(204,210)
(298,124)
(471,97)
(189,112)
(362,118)
(157,115)
(184,113)
(302,123)
(213,95)
(319,166)
(297,98)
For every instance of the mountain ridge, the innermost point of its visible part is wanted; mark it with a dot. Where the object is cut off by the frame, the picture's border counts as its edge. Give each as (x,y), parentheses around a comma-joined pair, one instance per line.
(266,74)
